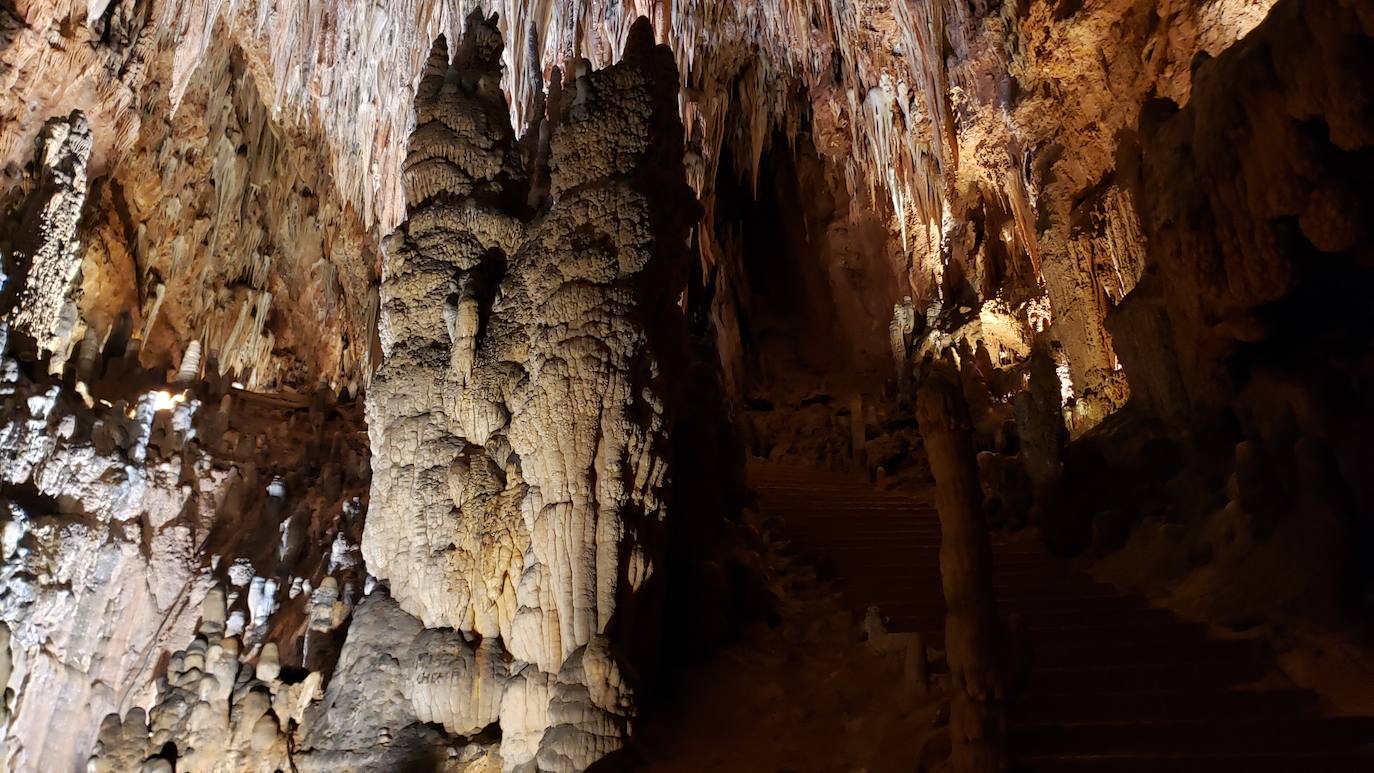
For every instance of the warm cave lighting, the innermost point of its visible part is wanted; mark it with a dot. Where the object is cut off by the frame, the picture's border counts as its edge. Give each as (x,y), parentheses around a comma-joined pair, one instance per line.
(166,401)
(753,385)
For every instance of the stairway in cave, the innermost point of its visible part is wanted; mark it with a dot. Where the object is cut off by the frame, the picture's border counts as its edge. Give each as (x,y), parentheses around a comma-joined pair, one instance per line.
(1115,687)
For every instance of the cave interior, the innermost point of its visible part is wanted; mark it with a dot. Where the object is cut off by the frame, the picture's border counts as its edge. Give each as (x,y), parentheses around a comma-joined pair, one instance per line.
(492,386)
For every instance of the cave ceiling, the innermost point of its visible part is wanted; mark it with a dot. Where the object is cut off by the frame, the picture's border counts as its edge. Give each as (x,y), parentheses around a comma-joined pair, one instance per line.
(247,155)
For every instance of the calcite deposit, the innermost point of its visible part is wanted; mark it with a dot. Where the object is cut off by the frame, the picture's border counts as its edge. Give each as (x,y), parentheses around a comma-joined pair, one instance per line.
(375,376)
(517,419)
(212,712)
(44,257)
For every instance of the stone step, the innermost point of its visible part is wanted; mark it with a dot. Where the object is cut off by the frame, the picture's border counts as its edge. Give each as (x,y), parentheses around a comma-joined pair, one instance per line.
(1189,704)
(1285,735)
(1306,762)
(1116,686)
(1094,677)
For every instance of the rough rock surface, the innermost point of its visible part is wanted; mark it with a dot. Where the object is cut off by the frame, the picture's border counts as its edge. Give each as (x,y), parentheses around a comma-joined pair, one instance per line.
(117,520)
(203,210)
(518,428)
(394,676)
(1249,337)
(42,253)
(213,712)
(99,576)
(1177,212)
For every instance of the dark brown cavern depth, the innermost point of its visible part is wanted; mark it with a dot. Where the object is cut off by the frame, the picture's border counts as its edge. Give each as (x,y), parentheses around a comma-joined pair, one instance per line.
(494,386)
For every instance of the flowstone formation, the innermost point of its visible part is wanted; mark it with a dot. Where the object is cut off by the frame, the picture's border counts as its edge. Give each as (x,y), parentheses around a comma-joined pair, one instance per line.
(517,422)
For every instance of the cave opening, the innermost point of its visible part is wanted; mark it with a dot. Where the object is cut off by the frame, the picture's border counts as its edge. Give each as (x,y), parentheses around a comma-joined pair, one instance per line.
(815,287)
(788,318)
(813,294)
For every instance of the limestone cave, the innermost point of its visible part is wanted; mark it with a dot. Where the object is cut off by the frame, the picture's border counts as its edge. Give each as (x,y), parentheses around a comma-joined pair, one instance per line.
(790,386)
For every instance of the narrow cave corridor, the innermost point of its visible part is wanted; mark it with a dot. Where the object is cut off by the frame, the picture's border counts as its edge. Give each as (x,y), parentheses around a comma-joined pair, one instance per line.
(505,387)
(815,302)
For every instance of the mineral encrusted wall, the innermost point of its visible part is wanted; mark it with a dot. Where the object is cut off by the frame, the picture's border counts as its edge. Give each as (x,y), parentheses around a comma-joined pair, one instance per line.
(126,498)
(41,251)
(1073,167)
(221,225)
(518,421)
(981,135)
(210,221)
(1248,336)
(119,518)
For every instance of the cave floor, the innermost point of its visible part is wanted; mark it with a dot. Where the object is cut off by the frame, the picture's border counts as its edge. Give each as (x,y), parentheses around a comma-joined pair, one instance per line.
(1114,685)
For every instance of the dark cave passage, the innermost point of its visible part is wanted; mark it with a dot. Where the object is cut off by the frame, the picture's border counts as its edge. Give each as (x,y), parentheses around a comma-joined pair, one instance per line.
(817,286)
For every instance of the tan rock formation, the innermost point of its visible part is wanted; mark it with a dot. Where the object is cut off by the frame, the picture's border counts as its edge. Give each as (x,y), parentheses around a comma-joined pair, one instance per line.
(517,424)
(393,676)
(213,713)
(973,631)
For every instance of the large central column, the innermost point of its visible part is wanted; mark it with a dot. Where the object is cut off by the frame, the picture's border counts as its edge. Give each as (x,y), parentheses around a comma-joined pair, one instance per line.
(517,424)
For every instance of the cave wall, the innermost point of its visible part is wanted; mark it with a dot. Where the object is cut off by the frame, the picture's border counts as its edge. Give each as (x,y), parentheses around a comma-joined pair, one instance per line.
(222,226)
(211,222)
(127,498)
(1247,339)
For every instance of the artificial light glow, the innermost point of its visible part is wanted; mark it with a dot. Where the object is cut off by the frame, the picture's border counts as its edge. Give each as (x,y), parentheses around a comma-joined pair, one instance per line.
(166,401)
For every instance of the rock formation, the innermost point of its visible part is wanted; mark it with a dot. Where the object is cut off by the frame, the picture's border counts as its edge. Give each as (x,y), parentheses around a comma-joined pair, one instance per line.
(973,631)
(44,254)
(518,426)
(413,338)
(212,712)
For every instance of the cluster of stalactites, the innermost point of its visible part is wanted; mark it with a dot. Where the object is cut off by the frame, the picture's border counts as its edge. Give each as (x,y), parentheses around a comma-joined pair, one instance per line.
(324,65)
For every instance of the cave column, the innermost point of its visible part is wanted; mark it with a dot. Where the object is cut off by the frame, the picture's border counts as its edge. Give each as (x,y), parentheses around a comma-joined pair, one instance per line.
(972,629)
(520,419)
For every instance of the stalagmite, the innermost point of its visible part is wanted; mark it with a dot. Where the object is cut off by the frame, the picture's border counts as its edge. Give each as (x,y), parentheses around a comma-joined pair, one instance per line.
(973,631)
(899,331)
(517,431)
